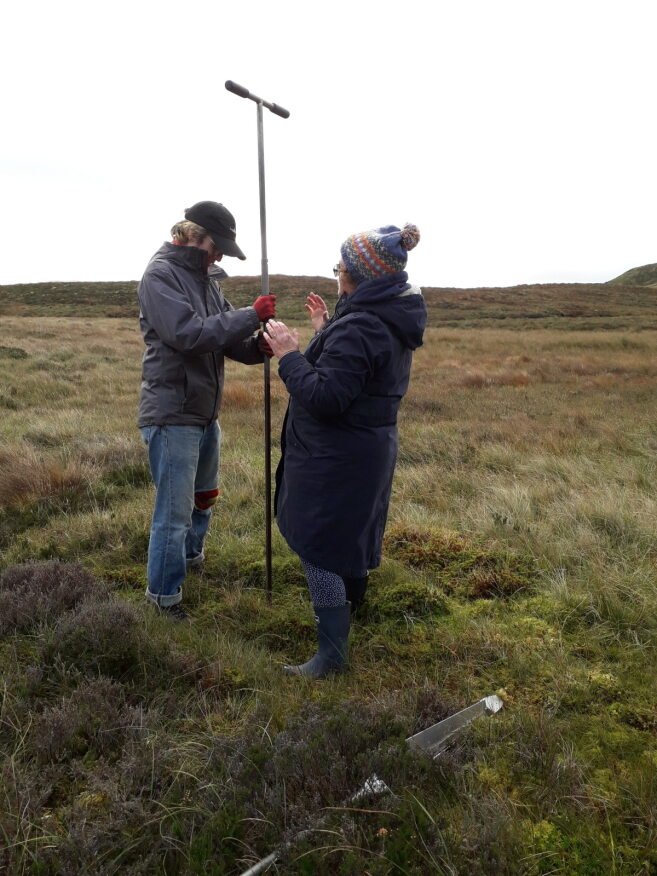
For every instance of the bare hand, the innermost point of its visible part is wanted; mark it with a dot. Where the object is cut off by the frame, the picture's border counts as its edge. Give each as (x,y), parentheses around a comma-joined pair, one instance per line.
(317,311)
(281,339)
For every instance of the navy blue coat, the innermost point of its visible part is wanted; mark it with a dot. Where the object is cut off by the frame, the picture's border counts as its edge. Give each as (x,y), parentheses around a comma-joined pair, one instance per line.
(339,441)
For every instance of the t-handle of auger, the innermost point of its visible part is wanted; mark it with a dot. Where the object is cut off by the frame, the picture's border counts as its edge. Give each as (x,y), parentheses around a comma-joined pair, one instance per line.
(241,91)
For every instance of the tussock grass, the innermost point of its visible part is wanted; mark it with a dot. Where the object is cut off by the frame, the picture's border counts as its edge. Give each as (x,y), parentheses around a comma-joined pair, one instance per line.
(462,568)
(25,476)
(519,558)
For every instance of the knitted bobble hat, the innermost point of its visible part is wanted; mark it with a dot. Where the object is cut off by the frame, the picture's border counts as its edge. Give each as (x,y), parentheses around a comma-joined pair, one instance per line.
(369,255)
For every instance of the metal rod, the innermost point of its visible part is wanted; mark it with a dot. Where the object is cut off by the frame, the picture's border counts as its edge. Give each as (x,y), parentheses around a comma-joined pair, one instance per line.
(261,866)
(241,91)
(264,274)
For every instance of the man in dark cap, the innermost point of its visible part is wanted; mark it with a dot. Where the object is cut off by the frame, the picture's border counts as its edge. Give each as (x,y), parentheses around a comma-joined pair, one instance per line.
(188,328)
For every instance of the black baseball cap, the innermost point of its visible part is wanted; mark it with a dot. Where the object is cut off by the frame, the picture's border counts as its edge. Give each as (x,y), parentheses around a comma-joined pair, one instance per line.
(219,223)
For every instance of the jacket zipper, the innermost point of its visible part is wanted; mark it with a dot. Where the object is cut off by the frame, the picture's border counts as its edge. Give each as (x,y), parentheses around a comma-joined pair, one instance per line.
(208,283)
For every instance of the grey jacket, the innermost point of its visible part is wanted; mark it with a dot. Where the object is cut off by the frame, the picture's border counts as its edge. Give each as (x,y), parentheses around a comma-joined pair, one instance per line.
(188,327)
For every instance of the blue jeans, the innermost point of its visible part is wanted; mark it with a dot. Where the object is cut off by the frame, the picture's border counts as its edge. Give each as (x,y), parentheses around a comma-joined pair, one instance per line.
(184,462)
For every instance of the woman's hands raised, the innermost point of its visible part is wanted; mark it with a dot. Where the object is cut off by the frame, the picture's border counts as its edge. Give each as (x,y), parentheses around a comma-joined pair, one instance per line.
(281,339)
(317,311)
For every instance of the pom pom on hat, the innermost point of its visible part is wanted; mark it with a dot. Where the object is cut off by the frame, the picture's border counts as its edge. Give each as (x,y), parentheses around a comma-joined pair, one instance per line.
(410,237)
(369,255)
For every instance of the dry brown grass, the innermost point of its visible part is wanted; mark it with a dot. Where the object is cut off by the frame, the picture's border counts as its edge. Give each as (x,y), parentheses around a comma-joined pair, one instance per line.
(242,394)
(26,476)
(479,379)
(484,405)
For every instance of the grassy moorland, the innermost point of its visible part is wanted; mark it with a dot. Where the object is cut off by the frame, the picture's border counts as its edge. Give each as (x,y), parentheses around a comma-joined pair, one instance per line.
(645,275)
(566,306)
(520,558)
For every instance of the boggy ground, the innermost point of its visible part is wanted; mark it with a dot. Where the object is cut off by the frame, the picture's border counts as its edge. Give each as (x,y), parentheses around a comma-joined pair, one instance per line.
(520,558)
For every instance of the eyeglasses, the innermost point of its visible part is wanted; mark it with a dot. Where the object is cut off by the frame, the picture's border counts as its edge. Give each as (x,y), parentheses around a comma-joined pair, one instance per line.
(337,269)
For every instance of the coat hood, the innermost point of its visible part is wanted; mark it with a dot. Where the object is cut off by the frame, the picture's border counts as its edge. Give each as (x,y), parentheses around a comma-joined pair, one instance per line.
(397,303)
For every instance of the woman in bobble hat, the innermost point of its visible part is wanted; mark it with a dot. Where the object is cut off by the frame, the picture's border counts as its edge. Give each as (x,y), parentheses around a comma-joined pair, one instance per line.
(339,441)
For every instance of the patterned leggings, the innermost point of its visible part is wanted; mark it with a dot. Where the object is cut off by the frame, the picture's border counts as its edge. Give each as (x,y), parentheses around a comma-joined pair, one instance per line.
(326,588)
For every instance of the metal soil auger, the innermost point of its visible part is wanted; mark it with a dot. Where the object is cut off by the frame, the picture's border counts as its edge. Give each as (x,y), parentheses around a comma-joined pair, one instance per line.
(240,91)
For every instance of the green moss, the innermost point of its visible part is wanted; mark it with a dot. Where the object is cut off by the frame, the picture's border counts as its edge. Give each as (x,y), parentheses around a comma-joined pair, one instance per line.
(410,598)
(641,717)
(286,573)
(461,568)
(128,577)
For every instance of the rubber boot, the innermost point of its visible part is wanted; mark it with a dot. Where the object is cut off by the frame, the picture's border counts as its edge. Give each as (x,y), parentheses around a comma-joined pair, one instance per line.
(355,589)
(333,643)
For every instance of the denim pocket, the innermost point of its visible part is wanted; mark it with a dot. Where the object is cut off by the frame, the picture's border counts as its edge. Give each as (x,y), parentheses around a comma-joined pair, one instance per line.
(145,433)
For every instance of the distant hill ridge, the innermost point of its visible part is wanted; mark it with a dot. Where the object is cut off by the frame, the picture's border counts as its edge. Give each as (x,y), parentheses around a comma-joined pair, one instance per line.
(562,305)
(646,275)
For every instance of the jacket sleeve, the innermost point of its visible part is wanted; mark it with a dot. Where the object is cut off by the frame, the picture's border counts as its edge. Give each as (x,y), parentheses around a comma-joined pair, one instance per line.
(347,362)
(175,321)
(245,351)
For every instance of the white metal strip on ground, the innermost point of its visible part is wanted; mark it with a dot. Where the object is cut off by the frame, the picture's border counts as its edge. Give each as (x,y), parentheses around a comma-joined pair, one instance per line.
(434,738)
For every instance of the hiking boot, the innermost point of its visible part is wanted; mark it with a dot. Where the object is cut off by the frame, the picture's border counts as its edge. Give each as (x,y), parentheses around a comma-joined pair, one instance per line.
(174,612)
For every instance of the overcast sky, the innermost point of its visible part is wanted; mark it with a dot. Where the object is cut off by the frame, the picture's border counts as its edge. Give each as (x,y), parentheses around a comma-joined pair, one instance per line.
(519,135)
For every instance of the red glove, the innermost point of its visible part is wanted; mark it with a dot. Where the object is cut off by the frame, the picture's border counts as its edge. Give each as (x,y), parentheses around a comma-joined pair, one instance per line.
(264,346)
(265,307)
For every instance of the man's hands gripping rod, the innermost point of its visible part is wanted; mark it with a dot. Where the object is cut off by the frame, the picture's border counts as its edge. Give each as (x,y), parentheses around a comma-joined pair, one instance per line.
(265,307)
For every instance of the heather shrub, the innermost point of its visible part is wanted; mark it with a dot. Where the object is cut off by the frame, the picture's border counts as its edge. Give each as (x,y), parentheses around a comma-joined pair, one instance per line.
(23,795)
(95,718)
(109,638)
(432,704)
(34,593)
(108,799)
(12,352)
(313,775)
(322,758)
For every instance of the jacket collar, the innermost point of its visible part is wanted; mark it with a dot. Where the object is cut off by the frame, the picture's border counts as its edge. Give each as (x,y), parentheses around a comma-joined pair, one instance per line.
(190,257)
